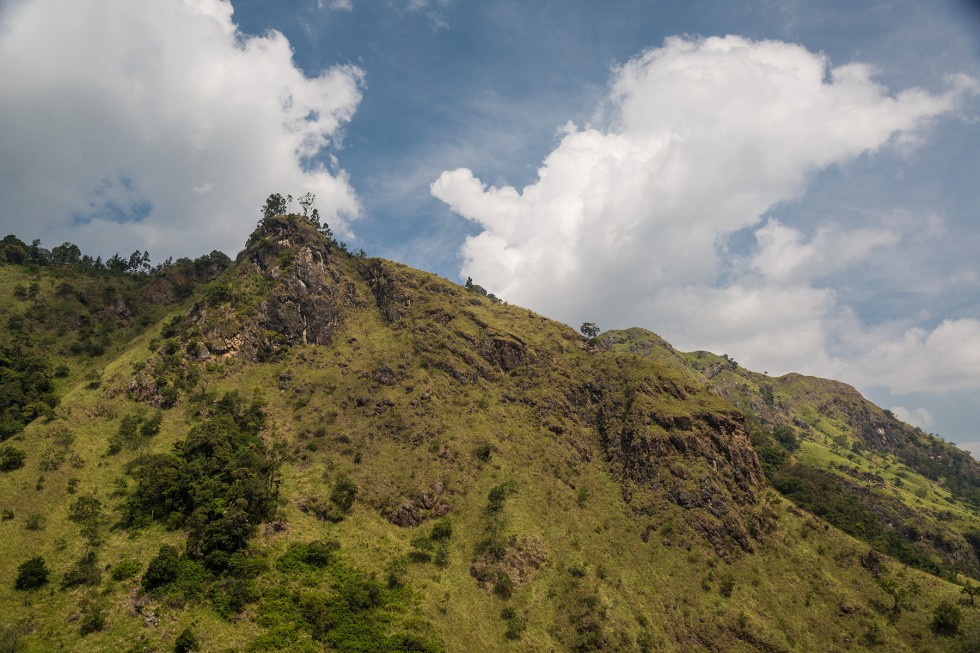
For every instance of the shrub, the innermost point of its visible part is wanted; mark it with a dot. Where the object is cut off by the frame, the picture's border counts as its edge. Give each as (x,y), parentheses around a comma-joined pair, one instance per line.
(125,570)
(186,642)
(483,452)
(726,586)
(442,530)
(946,618)
(31,574)
(163,569)
(396,571)
(85,571)
(11,458)
(344,493)
(317,554)
(93,619)
(516,623)
(503,585)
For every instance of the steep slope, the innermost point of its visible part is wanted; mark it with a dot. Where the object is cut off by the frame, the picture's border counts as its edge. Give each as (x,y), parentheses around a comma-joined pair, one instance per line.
(329,452)
(838,455)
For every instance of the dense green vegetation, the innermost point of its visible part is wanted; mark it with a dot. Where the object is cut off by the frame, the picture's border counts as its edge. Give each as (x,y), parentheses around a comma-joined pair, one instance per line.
(219,483)
(26,389)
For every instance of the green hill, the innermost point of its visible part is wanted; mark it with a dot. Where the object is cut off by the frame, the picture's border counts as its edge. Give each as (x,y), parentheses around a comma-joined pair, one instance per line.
(312,450)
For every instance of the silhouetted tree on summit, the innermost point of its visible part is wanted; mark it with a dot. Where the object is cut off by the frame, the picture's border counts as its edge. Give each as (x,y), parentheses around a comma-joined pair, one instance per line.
(590,330)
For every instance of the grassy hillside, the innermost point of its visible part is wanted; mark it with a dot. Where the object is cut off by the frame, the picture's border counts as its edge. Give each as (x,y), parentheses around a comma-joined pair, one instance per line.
(320,451)
(841,457)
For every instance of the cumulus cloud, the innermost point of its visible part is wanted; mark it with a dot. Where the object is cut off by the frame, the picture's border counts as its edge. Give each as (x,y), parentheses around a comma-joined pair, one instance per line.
(629,219)
(916,417)
(133,124)
(943,359)
(973,448)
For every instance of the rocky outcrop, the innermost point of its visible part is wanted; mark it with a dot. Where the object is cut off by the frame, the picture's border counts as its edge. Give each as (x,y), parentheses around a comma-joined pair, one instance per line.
(700,460)
(391,298)
(504,352)
(299,293)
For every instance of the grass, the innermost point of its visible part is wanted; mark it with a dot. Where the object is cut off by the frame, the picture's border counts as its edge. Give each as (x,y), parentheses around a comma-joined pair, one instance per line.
(639,567)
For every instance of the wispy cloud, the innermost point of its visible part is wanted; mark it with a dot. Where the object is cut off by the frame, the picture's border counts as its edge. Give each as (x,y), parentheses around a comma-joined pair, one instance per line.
(335,5)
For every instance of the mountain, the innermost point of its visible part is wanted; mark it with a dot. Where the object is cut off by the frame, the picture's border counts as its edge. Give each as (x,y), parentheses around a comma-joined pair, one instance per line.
(307,449)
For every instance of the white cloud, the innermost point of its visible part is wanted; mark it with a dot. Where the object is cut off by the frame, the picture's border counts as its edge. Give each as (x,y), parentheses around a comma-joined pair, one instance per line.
(916,417)
(628,222)
(783,256)
(947,358)
(973,448)
(336,5)
(129,125)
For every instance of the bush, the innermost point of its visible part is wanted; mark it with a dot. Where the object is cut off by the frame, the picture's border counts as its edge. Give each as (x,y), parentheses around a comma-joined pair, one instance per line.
(11,458)
(317,554)
(344,493)
(397,570)
(125,569)
(31,574)
(93,619)
(442,530)
(946,619)
(186,642)
(516,623)
(726,586)
(503,585)
(163,569)
(85,571)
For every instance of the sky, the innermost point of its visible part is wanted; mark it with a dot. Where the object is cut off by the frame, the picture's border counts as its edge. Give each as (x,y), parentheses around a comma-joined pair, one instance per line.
(793,184)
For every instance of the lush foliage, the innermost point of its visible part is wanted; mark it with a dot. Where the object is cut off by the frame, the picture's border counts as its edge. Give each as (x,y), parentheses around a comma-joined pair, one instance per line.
(26,388)
(31,574)
(219,483)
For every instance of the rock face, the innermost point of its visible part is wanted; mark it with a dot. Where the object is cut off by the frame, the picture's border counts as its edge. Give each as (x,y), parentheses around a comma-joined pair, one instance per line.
(662,439)
(299,294)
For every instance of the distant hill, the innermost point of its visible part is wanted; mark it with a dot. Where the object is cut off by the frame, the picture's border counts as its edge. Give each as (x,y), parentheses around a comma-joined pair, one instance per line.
(309,450)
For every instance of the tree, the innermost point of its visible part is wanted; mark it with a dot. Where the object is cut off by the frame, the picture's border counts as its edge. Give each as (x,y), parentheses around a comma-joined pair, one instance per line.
(86,511)
(32,574)
(306,204)
(900,587)
(590,330)
(66,254)
(275,205)
(163,569)
(786,436)
(139,263)
(11,458)
(344,493)
(971,590)
(839,442)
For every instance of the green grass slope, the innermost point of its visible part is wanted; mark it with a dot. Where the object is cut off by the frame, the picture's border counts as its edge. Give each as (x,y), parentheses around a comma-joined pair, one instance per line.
(328,452)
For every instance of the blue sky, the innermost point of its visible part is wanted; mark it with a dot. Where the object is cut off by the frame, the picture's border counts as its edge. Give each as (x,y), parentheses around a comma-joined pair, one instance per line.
(791,183)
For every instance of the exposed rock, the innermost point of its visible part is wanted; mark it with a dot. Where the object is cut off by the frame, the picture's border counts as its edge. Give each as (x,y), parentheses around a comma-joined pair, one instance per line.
(520,559)
(384,375)
(424,506)
(389,296)
(504,352)
(303,296)
(702,462)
